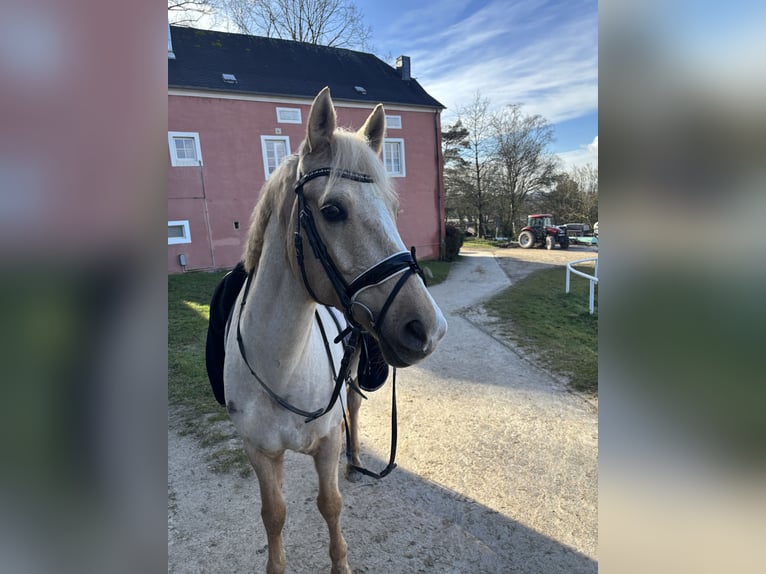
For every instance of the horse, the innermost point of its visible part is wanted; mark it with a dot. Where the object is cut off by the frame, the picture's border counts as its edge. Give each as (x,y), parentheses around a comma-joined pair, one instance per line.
(322,246)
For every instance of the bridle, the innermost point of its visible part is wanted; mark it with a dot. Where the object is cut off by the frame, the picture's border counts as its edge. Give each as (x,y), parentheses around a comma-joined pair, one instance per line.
(402,263)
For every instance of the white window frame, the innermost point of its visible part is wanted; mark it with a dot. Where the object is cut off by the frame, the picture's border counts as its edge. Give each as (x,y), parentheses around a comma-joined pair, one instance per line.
(282,120)
(187,232)
(400,142)
(393,122)
(174,159)
(265,139)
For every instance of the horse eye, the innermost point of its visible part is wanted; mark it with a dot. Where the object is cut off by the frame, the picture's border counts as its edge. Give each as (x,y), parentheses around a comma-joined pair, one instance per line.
(332,212)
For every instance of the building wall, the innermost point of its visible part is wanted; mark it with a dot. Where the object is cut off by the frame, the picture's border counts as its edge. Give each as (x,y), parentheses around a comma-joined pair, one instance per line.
(219,195)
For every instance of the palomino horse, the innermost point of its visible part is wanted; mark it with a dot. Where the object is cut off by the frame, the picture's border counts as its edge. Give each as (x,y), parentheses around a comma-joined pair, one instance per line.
(334,198)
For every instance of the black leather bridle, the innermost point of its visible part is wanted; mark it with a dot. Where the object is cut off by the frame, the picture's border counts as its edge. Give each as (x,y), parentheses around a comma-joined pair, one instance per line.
(403,262)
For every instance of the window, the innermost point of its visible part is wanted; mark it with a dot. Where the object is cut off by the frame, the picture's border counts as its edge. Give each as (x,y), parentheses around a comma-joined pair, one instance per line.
(394,122)
(289,115)
(393,157)
(184,149)
(275,149)
(178,232)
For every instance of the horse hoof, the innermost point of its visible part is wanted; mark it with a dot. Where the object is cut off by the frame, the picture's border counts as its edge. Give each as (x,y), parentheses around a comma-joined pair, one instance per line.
(353,475)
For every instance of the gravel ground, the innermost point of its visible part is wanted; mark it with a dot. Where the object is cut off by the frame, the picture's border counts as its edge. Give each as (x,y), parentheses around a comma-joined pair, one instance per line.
(497,463)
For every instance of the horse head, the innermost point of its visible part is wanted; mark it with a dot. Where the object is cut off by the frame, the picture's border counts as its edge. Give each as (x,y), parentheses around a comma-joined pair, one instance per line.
(349,253)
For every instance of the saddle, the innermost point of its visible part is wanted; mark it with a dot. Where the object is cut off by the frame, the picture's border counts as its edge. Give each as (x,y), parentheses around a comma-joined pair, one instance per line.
(371,373)
(221,307)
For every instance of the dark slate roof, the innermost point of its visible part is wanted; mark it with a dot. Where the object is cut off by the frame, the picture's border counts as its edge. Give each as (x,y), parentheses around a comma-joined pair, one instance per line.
(268,66)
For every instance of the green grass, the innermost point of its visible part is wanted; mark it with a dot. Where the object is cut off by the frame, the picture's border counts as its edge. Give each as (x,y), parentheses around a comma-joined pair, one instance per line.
(189,297)
(480,242)
(477,242)
(554,327)
(439,271)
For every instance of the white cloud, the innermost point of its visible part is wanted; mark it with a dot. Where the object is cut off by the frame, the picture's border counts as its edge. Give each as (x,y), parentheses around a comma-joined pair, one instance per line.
(519,53)
(585,154)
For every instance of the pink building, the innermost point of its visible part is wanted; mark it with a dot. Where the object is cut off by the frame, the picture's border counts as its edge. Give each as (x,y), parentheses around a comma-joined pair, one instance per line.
(237,105)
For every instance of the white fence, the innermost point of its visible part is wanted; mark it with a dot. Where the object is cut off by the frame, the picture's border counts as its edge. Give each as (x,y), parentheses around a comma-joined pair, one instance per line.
(593,279)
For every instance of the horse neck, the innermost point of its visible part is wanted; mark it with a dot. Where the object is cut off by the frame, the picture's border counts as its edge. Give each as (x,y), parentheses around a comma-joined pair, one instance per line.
(279,313)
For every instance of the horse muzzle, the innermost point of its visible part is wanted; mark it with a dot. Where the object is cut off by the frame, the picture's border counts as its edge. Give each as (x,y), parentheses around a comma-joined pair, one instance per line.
(413,343)
(413,328)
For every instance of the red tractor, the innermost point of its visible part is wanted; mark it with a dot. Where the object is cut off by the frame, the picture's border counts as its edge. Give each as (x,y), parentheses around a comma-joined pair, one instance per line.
(540,231)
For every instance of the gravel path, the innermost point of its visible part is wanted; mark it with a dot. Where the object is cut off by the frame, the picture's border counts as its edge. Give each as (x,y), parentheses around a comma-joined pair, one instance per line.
(497,464)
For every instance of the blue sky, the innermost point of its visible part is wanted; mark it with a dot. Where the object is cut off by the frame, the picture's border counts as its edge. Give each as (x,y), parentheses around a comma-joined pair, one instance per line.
(542,54)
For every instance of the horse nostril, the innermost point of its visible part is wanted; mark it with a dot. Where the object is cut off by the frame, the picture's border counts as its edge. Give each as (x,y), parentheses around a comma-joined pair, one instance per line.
(416,337)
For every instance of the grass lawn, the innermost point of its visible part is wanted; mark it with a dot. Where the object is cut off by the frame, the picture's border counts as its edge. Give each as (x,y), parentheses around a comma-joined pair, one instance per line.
(439,271)
(481,242)
(556,327)
(188,312)
(188,386)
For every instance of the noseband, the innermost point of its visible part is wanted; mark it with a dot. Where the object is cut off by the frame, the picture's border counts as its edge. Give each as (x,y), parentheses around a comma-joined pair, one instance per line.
(403,262)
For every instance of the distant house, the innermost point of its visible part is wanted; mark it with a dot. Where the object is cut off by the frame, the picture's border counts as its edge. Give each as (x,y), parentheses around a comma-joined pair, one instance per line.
(237,105)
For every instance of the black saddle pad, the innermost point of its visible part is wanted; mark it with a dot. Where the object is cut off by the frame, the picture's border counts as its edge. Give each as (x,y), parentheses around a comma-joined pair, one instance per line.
(373,369)
(220,310)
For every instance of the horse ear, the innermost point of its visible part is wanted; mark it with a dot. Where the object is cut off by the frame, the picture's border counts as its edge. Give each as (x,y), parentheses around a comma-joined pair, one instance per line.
(321,124)
(374,129)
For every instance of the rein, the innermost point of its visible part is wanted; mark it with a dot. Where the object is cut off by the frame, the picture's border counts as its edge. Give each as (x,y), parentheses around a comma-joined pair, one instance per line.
(403,263)
(342,374)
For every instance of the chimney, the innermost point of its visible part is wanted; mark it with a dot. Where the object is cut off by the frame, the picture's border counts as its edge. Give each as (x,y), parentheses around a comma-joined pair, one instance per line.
(403,67)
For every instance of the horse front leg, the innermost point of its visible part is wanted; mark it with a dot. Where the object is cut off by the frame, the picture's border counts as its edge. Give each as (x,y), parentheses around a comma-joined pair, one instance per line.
(269,470)
(329,500)
(354,402)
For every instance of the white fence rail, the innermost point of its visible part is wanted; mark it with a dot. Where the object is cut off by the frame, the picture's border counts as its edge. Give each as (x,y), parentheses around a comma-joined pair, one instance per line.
(593,279)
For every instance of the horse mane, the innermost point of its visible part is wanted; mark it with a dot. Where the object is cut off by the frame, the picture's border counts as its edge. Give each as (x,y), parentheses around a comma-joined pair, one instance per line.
(348,151)
(282,179)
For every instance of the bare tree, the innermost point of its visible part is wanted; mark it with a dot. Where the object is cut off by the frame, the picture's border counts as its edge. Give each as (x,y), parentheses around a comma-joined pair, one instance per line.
(525,165)
(337,23)
(565,200)
(586,178)
(187,12)
(477,120)
(573,198)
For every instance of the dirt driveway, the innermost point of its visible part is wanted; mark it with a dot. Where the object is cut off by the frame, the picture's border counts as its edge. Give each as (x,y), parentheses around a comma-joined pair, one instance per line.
(497,464)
